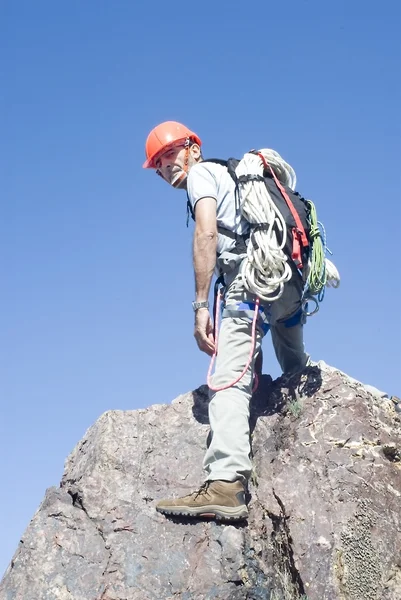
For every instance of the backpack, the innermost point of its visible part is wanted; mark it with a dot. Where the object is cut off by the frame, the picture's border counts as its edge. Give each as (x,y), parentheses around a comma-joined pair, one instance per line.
(284,244)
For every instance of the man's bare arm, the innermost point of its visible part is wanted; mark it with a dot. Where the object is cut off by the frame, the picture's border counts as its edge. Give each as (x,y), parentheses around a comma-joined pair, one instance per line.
(204,258)
(204,246)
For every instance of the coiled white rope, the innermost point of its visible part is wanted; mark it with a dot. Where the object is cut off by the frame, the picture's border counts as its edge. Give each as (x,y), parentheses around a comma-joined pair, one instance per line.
(266,268)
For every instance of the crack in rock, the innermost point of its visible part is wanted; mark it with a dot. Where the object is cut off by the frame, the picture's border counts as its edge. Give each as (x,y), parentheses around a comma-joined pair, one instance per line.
(289,576)
(78,502)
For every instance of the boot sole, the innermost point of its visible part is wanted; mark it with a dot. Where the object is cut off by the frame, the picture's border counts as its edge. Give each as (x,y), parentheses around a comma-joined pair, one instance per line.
(226,513)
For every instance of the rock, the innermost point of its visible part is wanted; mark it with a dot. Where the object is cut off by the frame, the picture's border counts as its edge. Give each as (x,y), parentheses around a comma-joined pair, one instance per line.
(325,519)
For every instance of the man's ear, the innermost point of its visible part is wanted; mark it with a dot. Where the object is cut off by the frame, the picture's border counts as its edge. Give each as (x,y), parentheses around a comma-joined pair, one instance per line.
(195,152)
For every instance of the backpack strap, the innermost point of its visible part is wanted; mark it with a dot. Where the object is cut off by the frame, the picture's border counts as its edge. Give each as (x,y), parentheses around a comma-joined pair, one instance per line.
(240,239)
(190,212)
(231,165)
(218,161)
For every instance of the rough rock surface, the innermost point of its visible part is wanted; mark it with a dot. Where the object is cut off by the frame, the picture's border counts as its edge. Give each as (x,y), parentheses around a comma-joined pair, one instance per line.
(325,518)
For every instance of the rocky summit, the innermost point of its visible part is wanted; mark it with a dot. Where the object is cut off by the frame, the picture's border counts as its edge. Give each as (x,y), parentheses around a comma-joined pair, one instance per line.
(324,501)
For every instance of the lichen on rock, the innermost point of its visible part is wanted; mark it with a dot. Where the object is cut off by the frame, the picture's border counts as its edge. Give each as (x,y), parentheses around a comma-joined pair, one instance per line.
(362,568)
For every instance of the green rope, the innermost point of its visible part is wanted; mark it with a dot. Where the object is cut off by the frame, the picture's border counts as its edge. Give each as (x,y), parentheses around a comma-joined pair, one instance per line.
(317,277)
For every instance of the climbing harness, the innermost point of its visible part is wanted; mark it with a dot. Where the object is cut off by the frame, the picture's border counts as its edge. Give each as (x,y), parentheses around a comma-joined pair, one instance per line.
(255,312)
(216,341)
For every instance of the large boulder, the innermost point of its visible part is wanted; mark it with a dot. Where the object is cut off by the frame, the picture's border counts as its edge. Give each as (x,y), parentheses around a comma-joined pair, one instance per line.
(325,519)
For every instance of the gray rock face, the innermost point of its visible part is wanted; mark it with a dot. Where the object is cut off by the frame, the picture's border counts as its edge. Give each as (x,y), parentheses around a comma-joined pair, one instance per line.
(325,497)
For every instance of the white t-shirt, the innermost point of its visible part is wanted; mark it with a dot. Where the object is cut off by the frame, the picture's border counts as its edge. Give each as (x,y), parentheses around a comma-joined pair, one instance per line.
(212,180)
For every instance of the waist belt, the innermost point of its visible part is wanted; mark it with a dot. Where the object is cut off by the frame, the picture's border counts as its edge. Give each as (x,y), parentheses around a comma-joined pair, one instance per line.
(246,310)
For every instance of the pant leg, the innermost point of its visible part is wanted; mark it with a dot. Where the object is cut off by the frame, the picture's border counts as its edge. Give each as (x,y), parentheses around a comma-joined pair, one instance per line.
(228,456)
(289,347)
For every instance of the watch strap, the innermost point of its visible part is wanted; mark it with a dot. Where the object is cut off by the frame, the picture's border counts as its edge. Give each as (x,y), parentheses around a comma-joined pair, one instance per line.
(197,305)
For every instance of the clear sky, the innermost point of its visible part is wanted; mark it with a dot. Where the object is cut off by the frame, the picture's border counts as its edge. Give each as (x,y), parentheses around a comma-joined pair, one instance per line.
(96,271)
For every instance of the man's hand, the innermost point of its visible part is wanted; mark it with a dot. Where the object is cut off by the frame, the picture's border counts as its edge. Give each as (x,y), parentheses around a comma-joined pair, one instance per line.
(204,331)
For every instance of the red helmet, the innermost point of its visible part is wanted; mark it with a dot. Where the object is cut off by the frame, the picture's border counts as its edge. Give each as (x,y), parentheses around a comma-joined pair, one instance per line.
(164,136)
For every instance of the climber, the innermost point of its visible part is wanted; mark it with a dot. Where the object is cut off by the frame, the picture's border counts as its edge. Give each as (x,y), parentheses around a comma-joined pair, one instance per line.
(221,236)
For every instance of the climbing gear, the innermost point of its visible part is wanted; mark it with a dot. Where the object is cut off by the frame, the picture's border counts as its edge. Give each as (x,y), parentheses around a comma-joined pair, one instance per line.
(197,305)
(165,136)
(255,313)
(222,500)
(284,241)
(256,308)
(322,271)
(219,310)
(285,238)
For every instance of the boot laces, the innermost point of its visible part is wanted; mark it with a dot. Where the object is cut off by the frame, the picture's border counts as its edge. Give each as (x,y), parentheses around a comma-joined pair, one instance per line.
(202,490)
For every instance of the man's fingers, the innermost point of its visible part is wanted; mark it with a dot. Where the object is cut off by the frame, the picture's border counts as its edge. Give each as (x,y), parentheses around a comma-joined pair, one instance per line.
(205,346)
(204,343)
(204,332)
(207,350)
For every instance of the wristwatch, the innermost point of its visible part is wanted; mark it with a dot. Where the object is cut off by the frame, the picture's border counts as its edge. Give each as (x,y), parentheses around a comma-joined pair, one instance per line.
(197,305)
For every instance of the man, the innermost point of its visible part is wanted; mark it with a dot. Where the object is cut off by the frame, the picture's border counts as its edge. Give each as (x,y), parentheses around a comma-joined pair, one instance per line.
(175,153)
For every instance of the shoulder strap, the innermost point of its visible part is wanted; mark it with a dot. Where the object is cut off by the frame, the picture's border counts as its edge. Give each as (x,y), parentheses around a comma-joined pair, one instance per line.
(231,165)
(218,161)
(190,212)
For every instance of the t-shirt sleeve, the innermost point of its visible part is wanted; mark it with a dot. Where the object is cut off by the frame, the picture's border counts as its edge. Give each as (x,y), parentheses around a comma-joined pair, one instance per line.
(201,183)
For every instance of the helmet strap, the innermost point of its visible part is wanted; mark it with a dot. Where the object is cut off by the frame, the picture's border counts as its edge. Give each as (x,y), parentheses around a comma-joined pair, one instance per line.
(184,174)
(186,157)
(181,177)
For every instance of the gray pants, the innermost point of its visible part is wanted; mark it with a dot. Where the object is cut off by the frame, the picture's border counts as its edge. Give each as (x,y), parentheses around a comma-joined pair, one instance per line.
(228,456)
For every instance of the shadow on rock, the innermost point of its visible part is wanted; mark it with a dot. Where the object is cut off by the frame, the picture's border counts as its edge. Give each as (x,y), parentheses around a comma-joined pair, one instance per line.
(201,404)
(269,399)
(191,521)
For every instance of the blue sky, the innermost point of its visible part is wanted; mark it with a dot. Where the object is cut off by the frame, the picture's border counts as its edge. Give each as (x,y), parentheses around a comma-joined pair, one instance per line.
(96,258)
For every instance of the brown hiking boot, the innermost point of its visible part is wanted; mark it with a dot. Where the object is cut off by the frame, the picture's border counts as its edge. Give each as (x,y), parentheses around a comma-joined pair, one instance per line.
(214,499)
